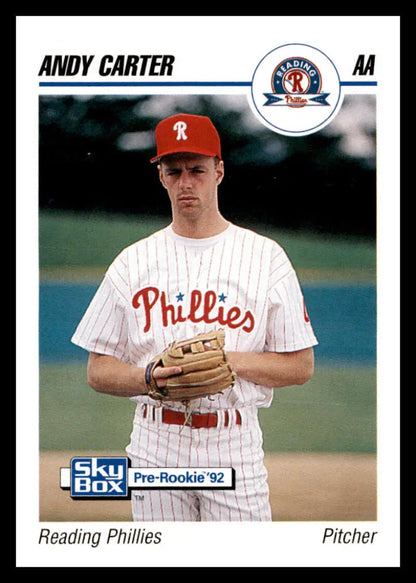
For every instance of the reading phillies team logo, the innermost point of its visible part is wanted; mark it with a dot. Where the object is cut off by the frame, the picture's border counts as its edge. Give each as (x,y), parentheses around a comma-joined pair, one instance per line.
(296,82)
(296,90)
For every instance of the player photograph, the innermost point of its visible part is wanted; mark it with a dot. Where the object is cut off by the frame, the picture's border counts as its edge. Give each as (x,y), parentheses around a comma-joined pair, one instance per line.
(176,286)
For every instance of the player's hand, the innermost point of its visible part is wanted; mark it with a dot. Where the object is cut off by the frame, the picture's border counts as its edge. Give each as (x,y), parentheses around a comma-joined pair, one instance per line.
(160,374)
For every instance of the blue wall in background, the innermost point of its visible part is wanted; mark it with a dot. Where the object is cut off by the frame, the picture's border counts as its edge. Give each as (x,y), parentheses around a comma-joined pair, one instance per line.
(343,318)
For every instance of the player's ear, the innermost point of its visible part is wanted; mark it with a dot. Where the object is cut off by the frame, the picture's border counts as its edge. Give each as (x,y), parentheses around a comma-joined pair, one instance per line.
(220,171)
(161,175)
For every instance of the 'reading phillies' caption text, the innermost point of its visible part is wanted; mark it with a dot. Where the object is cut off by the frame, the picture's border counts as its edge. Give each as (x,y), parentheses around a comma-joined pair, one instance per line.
(141,536)
(113,536)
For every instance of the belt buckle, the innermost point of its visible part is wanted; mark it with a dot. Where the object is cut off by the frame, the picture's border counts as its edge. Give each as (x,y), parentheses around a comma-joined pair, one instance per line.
(188,419)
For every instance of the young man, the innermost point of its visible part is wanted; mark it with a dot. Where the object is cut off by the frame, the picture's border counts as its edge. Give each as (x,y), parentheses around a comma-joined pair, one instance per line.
(198,274)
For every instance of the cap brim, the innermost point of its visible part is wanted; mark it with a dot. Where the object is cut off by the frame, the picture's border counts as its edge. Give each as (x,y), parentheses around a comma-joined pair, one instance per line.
(194,151)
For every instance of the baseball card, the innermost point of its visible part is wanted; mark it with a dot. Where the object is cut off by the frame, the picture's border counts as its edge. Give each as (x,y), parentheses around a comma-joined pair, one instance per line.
(208,273)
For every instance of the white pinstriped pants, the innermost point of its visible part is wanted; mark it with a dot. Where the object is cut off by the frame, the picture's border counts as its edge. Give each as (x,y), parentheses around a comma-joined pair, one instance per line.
(156,444)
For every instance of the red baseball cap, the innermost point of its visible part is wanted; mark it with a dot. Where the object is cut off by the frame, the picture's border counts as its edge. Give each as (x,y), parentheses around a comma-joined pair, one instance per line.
(185,132)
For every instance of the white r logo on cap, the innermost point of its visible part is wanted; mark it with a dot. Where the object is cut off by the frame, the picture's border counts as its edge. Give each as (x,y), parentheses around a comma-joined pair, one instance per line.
(180,127)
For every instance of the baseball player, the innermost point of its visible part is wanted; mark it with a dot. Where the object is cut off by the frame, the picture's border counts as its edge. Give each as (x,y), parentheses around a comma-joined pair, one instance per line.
(199,275)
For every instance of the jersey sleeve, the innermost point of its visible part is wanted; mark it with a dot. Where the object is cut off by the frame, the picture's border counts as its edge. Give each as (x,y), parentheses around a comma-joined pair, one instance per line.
(103,328)
(289,327)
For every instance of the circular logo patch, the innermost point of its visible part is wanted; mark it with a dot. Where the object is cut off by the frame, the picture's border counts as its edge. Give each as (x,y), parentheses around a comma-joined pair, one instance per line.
(295,90)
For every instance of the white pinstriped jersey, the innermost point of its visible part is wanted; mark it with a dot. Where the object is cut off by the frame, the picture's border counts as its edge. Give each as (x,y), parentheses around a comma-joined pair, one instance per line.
(167,287)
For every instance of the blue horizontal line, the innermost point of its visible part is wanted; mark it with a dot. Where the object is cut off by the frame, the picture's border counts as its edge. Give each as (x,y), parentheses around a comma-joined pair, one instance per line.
(174,83)
(145,84)
(358,83)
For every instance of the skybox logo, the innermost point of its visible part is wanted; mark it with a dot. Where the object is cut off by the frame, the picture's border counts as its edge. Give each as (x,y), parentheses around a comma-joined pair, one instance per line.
(99,477)
(296,90)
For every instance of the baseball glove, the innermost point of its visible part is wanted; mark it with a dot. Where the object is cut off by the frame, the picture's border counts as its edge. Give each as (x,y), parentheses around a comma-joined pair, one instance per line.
(205,369)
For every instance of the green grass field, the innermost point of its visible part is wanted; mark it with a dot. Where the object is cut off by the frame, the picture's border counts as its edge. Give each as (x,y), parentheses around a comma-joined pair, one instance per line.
(335,411)
(73,244)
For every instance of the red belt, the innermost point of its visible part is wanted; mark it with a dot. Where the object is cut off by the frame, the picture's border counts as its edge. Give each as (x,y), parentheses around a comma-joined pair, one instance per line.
(195,420)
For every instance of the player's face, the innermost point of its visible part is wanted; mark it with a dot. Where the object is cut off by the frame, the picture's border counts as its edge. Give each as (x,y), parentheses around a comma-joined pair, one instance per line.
(191,181)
